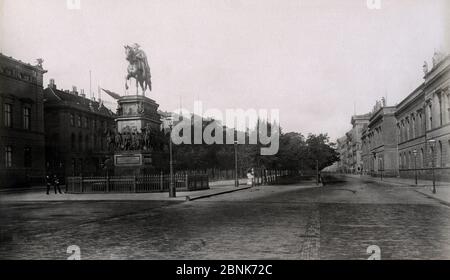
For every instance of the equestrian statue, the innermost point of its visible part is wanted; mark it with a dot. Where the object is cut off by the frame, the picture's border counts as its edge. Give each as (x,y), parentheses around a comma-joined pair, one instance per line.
(138,68)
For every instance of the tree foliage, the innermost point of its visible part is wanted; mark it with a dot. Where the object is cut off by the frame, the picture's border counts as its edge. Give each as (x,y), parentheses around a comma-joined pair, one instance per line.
(296,152)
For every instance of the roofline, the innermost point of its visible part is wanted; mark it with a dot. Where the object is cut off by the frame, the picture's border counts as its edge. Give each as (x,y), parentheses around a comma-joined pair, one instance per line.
(415,91)
(24,63)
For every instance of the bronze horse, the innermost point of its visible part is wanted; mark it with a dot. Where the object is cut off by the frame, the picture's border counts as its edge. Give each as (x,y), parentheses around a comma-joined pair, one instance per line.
(138,69)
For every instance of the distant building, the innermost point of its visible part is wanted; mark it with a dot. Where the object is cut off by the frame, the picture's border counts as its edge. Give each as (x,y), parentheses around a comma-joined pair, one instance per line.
(22,127)
(358,123)
(380,138)
(349,146)
(76,132)
(342,150)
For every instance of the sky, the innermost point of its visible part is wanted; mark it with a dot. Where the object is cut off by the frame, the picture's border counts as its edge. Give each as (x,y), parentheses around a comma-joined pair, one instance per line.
(317,62)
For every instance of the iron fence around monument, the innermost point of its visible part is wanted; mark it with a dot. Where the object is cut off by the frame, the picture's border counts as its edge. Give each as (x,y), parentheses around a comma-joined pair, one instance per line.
(136,184)
(262,176)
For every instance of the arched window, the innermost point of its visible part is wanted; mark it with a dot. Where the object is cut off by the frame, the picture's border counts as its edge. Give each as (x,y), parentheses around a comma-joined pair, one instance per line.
(410,159)
(430,116)
(440,159)
(408,136)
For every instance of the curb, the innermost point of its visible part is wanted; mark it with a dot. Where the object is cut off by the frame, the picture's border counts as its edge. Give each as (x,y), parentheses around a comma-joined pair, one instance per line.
(21,190)
(391,184)
(446,203)
(188,198)
(387,183)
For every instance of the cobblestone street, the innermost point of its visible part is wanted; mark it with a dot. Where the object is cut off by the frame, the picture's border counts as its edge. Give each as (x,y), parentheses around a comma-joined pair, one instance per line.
(337,221)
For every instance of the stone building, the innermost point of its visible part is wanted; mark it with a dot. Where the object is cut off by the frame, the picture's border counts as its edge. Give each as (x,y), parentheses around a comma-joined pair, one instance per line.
(22,127)
(411,132)
(437,114)
(349,146)
(359,122)
(343,165)
(379,142)
(75,131)
(423,116)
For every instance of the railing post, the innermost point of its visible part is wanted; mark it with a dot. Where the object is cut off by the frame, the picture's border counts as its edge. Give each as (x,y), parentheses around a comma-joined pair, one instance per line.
(134,183)
(81,183)
(161,181)
(186,181)
(107,183)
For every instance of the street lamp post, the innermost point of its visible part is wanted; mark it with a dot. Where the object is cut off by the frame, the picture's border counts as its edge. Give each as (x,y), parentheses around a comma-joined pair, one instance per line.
(374,159)
(382,168)
(415,165)
(172,191)
(236,178)
(432,143)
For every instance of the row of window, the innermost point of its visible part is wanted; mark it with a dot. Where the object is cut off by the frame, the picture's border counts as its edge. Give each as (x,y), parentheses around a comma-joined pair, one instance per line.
(443,107)
(9,153)
(410,128)
(84,122)
(410,161)
(374,138)
(8,120)
(89,142)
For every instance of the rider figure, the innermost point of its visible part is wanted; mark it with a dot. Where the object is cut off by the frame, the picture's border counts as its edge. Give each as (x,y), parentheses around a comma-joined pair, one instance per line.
(141,57)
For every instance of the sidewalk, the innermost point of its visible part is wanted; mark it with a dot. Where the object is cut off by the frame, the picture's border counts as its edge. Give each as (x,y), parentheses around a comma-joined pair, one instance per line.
(424,187)
(216,188)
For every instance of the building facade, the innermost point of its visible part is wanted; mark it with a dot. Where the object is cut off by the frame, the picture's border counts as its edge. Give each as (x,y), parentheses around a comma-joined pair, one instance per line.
(359,122)
(411,133)
(22,138)
(423,116)
(381,143)
(350,145)
(76,130)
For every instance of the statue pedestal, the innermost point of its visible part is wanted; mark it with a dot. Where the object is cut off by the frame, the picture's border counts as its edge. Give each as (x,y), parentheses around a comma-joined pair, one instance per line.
(137,112)
(137,116)
(129,163)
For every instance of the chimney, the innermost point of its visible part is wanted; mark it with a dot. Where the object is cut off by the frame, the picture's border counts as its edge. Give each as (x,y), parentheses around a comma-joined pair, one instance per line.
(52,84)
(82,93)
(74,90)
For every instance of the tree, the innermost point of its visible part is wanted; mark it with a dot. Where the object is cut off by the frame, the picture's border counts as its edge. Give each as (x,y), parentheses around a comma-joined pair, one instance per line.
(319,148)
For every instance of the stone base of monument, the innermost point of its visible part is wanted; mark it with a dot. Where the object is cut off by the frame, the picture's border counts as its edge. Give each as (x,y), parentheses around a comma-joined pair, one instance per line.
(137,117)
(129,163)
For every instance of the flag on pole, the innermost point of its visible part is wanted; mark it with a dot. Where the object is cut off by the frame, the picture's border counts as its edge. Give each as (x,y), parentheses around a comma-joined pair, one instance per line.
(112,94)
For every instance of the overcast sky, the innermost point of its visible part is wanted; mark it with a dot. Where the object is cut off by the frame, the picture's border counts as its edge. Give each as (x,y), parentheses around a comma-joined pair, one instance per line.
(315,61)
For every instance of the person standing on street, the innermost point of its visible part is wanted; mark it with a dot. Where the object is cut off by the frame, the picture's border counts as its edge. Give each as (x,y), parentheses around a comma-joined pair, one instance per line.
(56,184)
(250,177)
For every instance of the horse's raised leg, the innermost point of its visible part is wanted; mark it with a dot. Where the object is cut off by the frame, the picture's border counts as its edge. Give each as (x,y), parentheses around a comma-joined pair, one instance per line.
(143,87)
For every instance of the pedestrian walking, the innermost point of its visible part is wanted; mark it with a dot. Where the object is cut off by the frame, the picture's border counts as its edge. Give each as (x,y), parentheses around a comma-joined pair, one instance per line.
(56,184)
(250,177)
